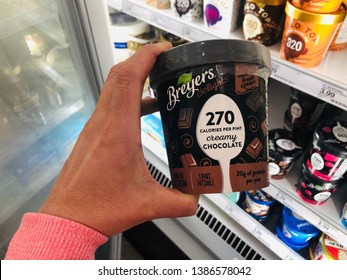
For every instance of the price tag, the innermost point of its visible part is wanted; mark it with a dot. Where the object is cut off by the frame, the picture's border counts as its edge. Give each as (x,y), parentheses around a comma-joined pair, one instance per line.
(327,228)
(333,95)
(231,210)
(195,34)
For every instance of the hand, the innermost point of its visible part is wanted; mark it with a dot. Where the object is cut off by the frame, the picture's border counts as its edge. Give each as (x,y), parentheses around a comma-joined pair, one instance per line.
(105,183)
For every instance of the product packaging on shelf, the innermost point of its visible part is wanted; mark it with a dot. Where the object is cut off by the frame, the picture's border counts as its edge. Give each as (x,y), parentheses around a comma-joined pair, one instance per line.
(159,4)
(295,231)
(328,249)
(187,10)
(263,20)
(258,204)
(327,157)
(314,190)
(307,36)
(339,41)
(213,104)
(222,16)
(284,150)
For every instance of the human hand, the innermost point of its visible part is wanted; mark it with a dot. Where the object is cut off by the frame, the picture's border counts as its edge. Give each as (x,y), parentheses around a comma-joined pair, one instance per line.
(105,183)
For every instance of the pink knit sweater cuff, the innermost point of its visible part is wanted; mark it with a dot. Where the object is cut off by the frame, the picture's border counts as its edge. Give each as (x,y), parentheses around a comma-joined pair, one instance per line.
(42,237)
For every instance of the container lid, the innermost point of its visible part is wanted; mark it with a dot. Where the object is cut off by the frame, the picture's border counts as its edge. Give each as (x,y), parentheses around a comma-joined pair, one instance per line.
(210,52)
(283,146)
(280,235)
(331,136)
(325,19)
(297,224)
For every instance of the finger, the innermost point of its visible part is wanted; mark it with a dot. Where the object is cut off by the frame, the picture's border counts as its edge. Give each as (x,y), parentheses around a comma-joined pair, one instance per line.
(127,79)
(172,203)
(149,105)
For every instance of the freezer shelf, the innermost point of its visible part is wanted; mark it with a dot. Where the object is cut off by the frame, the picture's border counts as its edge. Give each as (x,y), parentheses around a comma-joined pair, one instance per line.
(327,81)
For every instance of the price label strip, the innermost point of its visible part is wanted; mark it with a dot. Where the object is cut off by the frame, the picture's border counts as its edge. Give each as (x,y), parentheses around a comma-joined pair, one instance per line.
(311,85)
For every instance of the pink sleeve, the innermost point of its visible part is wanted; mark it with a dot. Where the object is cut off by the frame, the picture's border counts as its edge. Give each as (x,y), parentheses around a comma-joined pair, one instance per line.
(42,237)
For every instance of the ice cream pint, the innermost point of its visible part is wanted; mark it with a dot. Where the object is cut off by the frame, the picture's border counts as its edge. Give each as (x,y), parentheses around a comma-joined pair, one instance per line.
(221,16)
(263,20)
(258,204)
(318,6)
(188,10)
(327,157)
(295,230)
(213,103)
(314,190)
(284,150)
(328,249)
(307,36)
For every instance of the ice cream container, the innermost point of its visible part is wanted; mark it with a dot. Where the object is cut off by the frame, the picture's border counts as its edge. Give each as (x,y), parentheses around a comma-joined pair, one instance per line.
(213,104)
(327,157)
(222,16)
(328,249)
(263,20)
(187,10)
(159,4)
(307,36)
(258,203)
(344,215)
(284,150)
(339,41)
(318,6)
(314,190)
(304,110)
(295,229)
(286,241)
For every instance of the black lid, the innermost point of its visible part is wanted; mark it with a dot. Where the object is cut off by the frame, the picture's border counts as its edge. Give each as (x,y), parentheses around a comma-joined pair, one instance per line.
(283,145)
(331,136)
(207,52)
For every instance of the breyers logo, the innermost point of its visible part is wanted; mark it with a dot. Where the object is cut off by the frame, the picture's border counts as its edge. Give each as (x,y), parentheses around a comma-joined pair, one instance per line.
(188,86)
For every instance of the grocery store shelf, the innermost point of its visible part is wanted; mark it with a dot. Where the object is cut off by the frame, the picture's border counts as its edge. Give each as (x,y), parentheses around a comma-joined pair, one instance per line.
(325,217)
(254,227)
(327,81)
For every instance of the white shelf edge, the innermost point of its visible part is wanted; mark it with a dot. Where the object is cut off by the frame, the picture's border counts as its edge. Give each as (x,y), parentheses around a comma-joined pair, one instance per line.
(255,228)
(312,81)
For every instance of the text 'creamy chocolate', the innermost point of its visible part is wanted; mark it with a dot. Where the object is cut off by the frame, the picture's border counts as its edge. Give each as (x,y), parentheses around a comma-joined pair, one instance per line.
(213,104)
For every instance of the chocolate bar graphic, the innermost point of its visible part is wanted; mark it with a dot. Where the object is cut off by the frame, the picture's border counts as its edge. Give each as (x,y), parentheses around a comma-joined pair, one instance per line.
(254,148)
(254,101)
(185,118)
(188,160)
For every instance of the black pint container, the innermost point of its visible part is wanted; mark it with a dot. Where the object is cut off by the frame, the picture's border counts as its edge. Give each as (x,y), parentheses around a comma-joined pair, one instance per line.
(213,104)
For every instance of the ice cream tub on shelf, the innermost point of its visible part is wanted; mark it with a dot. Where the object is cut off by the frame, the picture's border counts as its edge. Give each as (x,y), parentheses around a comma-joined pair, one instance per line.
(212,99)
(188,10)
(263,21)
(327,157)
(295,229)
(307,36)
(222,16)
(314,190)
(328,249)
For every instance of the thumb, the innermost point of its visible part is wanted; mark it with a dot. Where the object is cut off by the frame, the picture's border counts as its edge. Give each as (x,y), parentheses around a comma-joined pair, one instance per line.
(172,203)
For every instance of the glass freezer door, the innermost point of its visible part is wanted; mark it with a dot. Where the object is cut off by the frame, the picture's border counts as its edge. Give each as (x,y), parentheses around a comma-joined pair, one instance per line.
(47,93)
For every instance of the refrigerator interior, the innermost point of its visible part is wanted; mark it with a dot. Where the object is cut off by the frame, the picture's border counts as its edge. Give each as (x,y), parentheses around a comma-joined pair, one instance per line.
(48,91)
